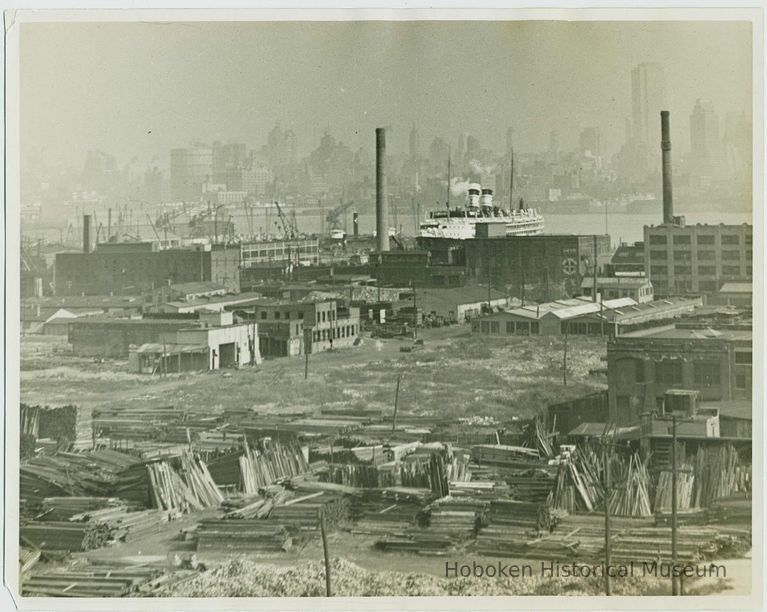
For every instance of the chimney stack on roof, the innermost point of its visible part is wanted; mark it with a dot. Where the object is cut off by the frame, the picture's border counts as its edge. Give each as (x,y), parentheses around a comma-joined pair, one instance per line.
(382,197)
(665,147)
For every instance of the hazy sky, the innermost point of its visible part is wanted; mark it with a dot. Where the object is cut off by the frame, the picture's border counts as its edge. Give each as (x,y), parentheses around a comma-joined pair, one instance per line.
(140,89)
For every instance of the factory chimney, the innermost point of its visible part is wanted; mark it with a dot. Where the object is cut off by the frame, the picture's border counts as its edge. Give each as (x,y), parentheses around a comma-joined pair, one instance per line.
(665,147)
(382,198)
(86,233)
(356,223)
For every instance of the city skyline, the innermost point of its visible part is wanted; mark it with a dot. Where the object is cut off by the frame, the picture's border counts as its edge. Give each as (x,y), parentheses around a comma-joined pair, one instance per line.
(445,93)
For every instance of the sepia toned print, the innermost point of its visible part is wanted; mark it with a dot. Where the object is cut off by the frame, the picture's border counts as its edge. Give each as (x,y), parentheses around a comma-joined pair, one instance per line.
(379,308)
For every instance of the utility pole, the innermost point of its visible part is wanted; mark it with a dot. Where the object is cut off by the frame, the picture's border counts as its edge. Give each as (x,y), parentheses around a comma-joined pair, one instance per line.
(595,269)
(326,554)
(396,404)
(674,581)
(564,364)
(415,312)
(608,544)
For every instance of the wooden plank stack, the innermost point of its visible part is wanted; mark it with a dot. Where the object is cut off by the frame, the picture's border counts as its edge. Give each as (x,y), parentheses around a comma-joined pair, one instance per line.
(65,536)
(64,508)
(101,581)
(260,468)
(684,489)
(243,536)
(70,426)
(182,484)
(630,494)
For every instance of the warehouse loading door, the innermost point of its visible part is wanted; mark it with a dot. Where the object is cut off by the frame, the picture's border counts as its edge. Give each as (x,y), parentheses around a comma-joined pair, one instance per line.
(227,355)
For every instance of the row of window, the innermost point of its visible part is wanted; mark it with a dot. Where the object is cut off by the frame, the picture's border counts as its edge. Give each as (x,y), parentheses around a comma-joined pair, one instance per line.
(514,328)
(684,239)
(702,270)
(706,373)
(702,254)
(344,331)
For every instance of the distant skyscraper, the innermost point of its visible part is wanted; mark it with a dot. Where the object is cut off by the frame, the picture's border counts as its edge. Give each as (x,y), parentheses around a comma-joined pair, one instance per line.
(704,131)
(648,98)
(189,169)
(591,142)
(415,144)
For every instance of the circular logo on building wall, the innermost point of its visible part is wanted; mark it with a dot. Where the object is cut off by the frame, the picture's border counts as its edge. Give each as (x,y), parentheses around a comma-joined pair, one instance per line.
(569,266)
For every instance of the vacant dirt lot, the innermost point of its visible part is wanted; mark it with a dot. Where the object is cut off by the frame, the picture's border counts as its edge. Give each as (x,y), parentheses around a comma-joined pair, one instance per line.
(454,373)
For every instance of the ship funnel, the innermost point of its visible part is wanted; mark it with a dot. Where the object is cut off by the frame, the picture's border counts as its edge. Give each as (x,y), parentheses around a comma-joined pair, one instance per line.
(486,199)
(665,147)
(382,199)
(474,192)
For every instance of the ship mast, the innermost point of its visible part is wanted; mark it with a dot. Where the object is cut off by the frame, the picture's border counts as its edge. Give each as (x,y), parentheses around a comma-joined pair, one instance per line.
(447,202)
(511,184)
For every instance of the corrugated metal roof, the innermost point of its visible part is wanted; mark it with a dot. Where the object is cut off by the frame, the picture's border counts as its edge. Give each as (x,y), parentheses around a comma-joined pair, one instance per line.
(170,349)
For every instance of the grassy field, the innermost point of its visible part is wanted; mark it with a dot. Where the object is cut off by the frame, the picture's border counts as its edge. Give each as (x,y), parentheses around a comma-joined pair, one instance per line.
(454,374)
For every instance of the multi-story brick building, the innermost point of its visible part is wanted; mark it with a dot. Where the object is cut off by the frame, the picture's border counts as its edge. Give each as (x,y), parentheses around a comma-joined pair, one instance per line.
(130,268)
(643,365)
(697,258)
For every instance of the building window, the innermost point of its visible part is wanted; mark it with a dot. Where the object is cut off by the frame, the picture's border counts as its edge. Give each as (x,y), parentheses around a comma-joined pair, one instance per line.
(682,239)
(707,373)
(706,239)
(534,327)
(287,315)
(662,270)
(639,371)
(300,314)
(276,314)
(731,270)
(682,270)
(740,381)
(658,254)
(707,270)
(657,239)
(263,314)
(475,326)
(684,255)
(730,239)
(509,327)
(495,327)
(743,357)
(669,372)
(731,255)
(706,255)
(485,327)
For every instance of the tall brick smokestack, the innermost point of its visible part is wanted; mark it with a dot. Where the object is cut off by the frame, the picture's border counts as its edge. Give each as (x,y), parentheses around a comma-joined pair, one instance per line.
(665,147)
(382,197)
(86,233)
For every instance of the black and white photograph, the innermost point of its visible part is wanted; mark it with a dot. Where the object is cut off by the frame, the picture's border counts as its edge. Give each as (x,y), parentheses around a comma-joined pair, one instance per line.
(384,304)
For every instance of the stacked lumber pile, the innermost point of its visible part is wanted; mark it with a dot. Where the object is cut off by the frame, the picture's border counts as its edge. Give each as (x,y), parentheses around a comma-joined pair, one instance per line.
(630,492)
(426,472)
(579,485)
(539,438)
(396,519)
(479,490)
(457,519)
(533,485)
(259,468)
(135,422)
(360,475)
(684,489)
(103,581)
(252,469)
(243,536)
(70,426)
(505,454)
(718,473)
(65,536)
(124,523)
(69,474)
(526,515)
(64,508)
(182,484)
(301,514)
(419,541)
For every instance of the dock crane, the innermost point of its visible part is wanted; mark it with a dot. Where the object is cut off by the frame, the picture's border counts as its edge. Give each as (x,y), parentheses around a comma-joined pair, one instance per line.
(288,227)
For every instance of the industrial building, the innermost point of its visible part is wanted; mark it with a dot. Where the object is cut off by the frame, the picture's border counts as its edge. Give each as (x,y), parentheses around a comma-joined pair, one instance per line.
(305,252)
(541,268)
(405,268)
(637,288)
(294,328)
(136,267)
(215,342)
(643,365)
(697,258)
(734,294)
(454,305)
(579,316)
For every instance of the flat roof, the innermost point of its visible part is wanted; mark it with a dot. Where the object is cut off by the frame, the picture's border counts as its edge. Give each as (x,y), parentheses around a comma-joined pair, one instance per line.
(737,288)
(216,299)
(672,332)
(627,281)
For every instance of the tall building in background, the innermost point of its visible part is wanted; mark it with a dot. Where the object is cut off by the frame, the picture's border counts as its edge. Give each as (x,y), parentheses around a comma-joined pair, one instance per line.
(415,144)
(591,142)
(705,144)
(648,98)
(190,168)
